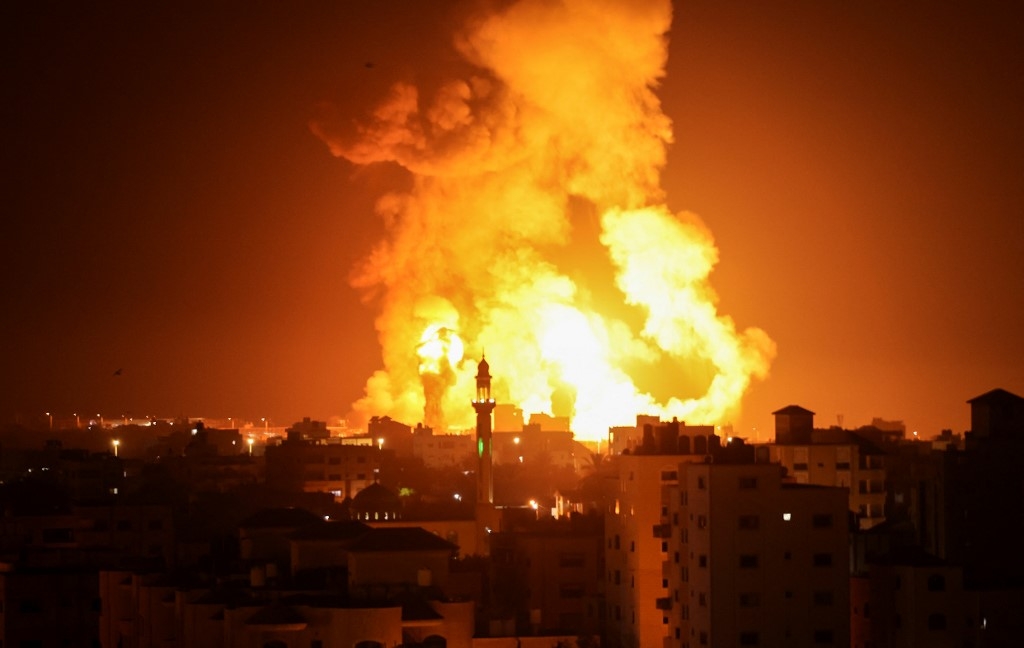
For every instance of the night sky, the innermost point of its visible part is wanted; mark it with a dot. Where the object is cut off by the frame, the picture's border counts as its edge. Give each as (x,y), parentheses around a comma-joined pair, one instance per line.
(176,242)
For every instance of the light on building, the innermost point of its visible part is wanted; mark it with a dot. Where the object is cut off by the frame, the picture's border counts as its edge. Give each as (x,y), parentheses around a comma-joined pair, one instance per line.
(457,497)
(250,441)
(380,443)
(116,443)
(787,517)
(516,440)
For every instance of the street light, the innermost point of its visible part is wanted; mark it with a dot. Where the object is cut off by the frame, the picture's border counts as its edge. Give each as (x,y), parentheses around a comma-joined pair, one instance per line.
(250,441)
(380,443)
(116,443)
(265,424)
(49,415)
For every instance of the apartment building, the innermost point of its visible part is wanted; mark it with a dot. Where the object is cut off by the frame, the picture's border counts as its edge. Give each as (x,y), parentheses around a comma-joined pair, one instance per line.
(832,457)
(754,561)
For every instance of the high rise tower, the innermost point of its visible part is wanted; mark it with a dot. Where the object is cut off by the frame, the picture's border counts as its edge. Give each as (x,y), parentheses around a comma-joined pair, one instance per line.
(484,406)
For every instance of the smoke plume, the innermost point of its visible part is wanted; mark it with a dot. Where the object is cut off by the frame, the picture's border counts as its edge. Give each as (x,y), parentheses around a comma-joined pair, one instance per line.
(535,230)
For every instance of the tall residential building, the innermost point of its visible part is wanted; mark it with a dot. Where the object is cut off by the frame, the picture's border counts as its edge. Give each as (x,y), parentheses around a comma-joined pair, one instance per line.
(832,457)
(754,561)
(636,530)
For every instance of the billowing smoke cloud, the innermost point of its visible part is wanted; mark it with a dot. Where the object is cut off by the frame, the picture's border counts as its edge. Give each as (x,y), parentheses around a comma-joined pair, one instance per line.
(535,229)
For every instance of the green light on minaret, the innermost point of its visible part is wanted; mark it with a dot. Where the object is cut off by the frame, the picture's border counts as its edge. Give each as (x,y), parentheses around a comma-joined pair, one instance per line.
(480,447)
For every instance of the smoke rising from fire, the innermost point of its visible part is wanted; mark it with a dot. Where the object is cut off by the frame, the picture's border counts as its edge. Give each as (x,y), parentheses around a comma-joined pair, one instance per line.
(535,230)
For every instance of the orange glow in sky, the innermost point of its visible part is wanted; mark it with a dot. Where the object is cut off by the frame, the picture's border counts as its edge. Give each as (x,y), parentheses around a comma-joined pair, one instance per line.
(839,184)
(556,123)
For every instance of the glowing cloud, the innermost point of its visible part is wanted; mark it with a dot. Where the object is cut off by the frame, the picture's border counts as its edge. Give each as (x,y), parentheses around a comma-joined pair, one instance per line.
(535,229)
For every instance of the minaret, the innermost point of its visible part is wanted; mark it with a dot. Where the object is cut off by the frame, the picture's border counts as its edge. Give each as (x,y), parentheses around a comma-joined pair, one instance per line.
(484,405)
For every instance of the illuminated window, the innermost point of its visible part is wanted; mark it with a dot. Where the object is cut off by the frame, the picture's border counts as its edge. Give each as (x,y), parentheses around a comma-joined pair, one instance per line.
(787,516)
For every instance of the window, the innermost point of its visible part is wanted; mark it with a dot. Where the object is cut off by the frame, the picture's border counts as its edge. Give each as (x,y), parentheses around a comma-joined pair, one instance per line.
(571,560)
(749,639)
(58,535)
(618,576)
(750,599)
(700,483)
(702,560)
(669,475)
(822,560)
(823,597)
(124,525)
(842,465)
(703,638)
(571,591)
(823,636)
(702,599)
(821,521)
(748,482)
(936,583)
(155,525)
(936,621)
(570,620)
(749,522)
(748,561)
(800,466)
(702,521)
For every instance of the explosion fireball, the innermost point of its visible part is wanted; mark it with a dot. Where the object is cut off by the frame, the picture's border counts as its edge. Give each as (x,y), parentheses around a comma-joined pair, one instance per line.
(535,229)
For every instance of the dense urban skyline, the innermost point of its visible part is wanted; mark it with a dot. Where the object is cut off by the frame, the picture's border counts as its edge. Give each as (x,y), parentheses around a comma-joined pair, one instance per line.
(179,243)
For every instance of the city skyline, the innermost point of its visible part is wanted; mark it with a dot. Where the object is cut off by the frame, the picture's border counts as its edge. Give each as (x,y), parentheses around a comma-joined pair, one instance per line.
(181,244)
